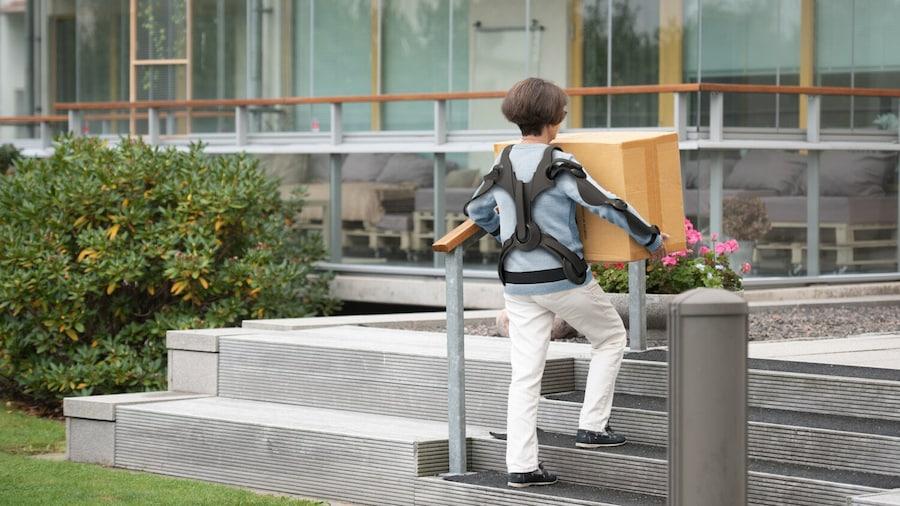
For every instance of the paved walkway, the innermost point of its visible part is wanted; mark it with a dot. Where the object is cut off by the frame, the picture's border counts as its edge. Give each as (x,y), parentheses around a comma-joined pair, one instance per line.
(881,351)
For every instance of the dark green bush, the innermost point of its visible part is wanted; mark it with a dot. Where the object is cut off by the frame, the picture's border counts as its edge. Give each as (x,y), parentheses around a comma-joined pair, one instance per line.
(9,154)
(106,248)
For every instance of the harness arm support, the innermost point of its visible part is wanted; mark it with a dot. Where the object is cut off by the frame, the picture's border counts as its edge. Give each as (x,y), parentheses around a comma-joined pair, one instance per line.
(481,210)
(597,200)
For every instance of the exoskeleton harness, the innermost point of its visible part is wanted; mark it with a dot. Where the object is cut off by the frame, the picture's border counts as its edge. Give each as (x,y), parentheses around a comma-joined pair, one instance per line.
(528,235)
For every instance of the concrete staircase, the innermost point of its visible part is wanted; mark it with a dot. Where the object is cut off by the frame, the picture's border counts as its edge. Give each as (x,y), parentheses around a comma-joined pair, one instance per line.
(357,414)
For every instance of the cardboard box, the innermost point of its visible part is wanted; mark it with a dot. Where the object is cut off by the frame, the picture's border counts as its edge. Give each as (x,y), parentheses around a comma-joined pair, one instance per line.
(642,168)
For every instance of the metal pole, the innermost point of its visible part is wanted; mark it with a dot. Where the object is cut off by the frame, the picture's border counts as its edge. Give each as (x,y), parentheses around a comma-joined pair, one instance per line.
(716,116)
(708,399)
(337,126)
(334,207)
(812,213)
(637,308)
(240,125)
(46,135)
(153,126)
(440,202)
(75,120)
(716,190)
(456,369)
(680,114)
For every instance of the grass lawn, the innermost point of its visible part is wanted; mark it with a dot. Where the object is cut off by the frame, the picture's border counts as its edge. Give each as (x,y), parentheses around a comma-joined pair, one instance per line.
(25,480)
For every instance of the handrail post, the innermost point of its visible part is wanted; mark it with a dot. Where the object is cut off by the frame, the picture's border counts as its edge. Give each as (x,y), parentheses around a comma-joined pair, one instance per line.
(454,245)
(637,305)
(456,364)
(707,331)
(440,201)
(680,114)
(813,126)
(75,122)
(46,135)
(240,125)
(440,121)
(153,126)
(335,218)
(716,116)
(337,127)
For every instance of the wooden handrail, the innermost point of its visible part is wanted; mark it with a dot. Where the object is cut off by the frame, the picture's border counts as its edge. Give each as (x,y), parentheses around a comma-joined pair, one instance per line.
(455,237)
(26,120)
(478,95)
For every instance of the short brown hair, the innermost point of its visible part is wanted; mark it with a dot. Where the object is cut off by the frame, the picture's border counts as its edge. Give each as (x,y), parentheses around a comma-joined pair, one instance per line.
(534,103)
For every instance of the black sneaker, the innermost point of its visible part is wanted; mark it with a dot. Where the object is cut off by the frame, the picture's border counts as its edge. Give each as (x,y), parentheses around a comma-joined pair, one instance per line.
(537,477)
(592,439)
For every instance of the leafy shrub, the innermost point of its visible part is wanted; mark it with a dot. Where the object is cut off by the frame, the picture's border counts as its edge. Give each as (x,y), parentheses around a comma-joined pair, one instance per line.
(106,248)
(680,271)
(8,156)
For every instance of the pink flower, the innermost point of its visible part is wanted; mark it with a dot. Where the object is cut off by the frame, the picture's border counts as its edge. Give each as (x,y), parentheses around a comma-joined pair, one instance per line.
(745,268)
(714,236)
(682,253)
(721,248)
(731,246)
(669,260)
(619,266)
(693,236)
(688,225)
(704,250)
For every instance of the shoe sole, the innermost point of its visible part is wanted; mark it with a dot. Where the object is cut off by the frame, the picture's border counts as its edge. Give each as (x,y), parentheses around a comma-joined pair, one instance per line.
(608,445)
(535,484)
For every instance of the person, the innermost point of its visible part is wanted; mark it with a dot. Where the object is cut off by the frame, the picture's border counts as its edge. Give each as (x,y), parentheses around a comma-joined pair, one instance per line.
(528,203)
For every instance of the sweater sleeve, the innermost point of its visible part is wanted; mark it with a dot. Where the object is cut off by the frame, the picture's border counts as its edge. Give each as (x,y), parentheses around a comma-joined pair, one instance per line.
(481,211)
(567,183)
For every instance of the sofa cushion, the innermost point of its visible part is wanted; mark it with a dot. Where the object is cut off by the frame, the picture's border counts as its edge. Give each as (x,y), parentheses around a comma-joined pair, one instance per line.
(779,171)
(406,167)
(364,166)
(853,173)
(463,178)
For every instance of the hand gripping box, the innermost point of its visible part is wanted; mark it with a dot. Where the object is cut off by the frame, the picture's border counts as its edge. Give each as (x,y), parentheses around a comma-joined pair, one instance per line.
(642,168)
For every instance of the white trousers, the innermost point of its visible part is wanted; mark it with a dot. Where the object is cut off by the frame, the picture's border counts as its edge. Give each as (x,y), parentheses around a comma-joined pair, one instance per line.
(588,310)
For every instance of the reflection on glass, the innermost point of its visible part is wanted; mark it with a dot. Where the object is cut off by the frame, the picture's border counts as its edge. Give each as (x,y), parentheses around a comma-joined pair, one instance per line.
(219,49)
(855,47)
(424,49)
(332,55)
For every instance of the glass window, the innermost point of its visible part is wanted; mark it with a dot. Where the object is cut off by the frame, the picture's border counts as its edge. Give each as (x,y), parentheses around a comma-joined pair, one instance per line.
(424,49)
(856,45)
(332,55)
(748,42)
(217,61)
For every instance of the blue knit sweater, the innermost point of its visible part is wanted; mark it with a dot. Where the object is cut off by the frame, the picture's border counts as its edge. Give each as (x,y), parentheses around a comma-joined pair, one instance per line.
(554,213)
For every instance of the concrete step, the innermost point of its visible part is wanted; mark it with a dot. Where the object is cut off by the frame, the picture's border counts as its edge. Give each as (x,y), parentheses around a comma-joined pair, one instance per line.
(489,487)
(374,370)
(837,442)
(313,452)
(643,469)
(776,384)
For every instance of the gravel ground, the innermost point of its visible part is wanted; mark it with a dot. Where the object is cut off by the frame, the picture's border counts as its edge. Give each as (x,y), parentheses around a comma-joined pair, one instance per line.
(774,324)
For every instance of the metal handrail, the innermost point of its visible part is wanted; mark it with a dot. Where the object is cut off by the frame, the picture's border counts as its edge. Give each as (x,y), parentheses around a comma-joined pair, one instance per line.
(454,244)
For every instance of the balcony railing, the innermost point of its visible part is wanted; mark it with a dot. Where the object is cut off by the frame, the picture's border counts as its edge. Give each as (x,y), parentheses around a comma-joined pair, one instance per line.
(713,136)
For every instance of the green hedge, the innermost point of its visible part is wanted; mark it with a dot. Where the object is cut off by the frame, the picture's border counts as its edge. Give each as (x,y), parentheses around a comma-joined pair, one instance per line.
(107,248)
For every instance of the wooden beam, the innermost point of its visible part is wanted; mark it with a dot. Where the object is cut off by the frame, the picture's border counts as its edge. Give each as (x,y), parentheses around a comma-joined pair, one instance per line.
(455,237)
(671,34)
(375,59)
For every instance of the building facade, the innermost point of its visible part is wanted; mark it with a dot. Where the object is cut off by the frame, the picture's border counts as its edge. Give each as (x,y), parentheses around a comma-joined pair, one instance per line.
(55,51)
